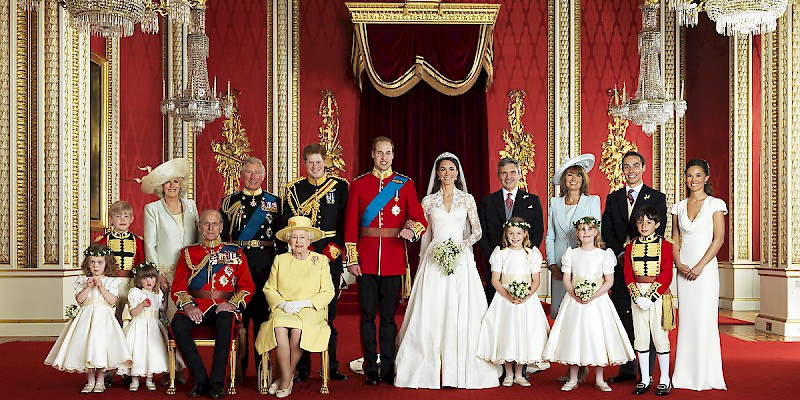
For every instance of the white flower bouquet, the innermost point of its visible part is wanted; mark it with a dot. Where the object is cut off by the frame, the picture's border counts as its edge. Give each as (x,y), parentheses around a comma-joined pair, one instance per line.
(71,311)
(519,289)
(445,254)
(585,289)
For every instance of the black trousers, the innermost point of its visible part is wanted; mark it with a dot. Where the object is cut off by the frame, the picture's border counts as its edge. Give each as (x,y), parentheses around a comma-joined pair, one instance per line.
(376,292)
(305,360)
(257,311)
(490,290)
(182,326)
(622,302)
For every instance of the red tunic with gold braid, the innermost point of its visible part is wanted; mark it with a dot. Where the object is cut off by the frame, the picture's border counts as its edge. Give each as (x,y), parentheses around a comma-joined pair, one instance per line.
(375,254)
(648,259)
(211,273)
(127,248)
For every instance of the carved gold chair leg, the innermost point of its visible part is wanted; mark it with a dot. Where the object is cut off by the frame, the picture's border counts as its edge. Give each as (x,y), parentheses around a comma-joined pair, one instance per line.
(171,352)
(266,374)
(232,362)
(325,372)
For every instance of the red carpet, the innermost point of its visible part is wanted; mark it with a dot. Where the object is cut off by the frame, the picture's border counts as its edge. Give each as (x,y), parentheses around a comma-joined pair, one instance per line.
(723,320)
(752,370)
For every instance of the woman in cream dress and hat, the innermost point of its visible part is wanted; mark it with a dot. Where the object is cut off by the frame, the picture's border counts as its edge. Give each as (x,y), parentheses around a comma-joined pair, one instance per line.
(298,291)
(170,223)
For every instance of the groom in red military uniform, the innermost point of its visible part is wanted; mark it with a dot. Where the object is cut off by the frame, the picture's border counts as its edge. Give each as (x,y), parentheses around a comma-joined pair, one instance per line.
(212,286)
(383,212)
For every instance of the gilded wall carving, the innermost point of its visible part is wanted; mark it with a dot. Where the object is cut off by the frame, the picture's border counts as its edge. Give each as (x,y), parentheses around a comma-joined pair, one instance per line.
(230,153)
(112,54)
(518,143)
(329,133)
(615,146)
(769,149)
(5,132)
(287,73)
(51,133)
(424,12)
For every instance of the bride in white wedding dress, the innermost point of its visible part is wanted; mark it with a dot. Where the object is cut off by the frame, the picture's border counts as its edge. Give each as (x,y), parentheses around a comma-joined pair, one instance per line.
(442,323)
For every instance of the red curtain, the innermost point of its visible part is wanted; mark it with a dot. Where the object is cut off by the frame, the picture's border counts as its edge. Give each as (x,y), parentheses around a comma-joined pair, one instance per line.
(450,49)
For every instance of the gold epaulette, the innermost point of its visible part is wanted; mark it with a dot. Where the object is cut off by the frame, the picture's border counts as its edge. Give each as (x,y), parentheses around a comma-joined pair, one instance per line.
(340,179)
(99,238)
(399,174)
(294,181)
(362,175)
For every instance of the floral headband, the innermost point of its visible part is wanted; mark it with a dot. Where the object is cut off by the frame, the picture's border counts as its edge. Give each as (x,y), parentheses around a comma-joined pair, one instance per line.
(520,224)
(142,265)
(97,251)
(589,220)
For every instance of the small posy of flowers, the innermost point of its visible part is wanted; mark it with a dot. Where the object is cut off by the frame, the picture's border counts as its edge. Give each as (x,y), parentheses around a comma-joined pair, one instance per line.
(71,311)
(519,289)
(585,289)
(445,254)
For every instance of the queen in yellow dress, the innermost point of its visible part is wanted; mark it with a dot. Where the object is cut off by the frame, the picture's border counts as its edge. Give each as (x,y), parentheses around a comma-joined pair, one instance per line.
(298,291)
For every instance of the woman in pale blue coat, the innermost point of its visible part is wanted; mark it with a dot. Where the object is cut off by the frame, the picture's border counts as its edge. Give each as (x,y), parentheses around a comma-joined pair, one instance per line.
(574,203)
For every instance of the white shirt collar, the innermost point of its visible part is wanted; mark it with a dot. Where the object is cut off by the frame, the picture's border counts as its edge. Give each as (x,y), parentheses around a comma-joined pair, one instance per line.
(513,193)
(636,189)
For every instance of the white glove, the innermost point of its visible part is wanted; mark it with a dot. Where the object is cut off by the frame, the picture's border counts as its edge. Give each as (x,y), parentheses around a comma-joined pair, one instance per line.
(294,307)
(644,303)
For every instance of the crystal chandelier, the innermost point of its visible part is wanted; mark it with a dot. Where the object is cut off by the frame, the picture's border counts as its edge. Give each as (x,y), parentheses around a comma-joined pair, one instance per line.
(650,107)
(198,104)
(116,18)
(732,17)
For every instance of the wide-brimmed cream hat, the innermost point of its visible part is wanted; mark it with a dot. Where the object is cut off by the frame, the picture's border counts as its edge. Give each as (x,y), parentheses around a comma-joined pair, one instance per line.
(175,168)
(302,223)
(584,160)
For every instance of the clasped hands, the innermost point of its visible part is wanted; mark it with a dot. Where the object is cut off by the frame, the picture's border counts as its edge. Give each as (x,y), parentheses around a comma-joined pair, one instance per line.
(294,307)
(689,273)
(644,303)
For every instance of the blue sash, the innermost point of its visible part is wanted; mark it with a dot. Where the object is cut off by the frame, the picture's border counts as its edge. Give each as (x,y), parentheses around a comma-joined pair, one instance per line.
(199,283)
(255,221)
(386,194)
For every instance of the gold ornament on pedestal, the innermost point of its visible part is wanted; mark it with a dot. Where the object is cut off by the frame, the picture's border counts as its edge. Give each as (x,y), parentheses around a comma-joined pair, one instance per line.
(616,145)
(519,144)
(329,133)
(230,153)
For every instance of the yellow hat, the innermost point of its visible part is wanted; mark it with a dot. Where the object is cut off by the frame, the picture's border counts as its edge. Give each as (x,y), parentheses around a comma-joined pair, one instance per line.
(302,223)
(175,168)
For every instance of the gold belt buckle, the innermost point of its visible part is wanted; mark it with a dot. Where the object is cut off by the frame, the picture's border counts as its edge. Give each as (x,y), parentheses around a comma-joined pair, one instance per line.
(253,243)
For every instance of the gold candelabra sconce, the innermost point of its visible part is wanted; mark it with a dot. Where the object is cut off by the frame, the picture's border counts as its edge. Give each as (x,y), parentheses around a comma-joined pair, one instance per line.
(615,145)
(329,133)
(234,149)
(519,144)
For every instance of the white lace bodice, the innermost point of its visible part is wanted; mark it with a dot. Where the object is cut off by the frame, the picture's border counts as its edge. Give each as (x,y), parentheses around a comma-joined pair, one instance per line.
(444,225)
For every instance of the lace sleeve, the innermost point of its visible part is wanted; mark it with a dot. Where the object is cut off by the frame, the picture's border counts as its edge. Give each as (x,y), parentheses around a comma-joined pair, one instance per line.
(474,222)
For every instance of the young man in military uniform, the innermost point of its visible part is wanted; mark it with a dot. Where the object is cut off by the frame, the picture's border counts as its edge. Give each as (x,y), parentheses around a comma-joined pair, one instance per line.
(321,198)
(250,219)
(383,212)
(212,286)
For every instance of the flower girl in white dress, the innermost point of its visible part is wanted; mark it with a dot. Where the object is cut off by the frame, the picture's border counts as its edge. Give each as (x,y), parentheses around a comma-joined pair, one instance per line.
(93,342)
(515,328)
(587,330)
(146,335)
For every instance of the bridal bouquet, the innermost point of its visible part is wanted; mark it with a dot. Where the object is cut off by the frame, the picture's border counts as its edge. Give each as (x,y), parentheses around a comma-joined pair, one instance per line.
(445,254)
(71,311)
(519,289)
(585,289)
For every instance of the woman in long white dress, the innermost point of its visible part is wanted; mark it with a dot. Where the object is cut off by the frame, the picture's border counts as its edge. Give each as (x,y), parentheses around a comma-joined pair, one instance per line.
(441,327)
(698,231)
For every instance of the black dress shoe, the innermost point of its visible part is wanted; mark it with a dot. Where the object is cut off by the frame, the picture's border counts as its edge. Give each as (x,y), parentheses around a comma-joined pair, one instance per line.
(108,381)
(622,377)
(126,380)
(199,389)
(662,389)
(372,379)
(641,388)
(388,378)
(336,375)
(302,375)
(217,391)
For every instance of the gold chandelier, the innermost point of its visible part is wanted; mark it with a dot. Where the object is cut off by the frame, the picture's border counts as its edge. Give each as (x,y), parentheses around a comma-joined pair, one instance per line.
(116,18)
(732,17)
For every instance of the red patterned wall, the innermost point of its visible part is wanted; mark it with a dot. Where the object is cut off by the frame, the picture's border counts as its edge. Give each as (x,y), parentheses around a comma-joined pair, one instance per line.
(707,116)
(609,56)
(237,32)
(140,117)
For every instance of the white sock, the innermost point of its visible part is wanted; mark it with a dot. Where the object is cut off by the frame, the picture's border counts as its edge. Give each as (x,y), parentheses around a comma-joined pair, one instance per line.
(90,377)
(134,381)
(663,366)
(149,380)
(644,366)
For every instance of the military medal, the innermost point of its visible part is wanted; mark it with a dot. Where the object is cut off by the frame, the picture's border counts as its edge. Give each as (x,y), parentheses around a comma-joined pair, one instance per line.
(396,210)
(253,202)
(264,206)
(330,198)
